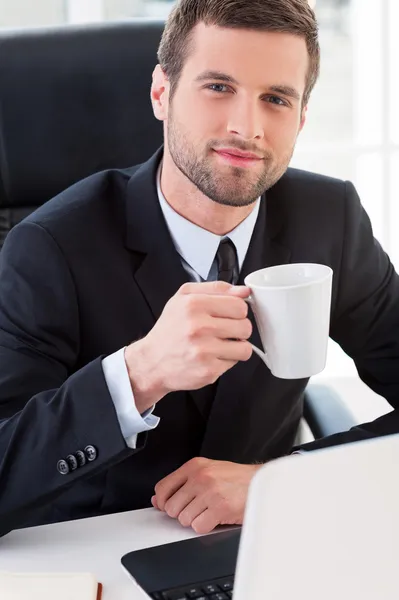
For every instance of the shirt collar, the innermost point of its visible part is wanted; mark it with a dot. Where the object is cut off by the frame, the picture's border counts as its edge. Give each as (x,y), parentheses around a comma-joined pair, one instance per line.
(198,246)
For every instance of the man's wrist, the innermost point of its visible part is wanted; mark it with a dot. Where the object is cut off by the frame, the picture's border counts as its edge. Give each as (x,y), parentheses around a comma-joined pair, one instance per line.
(145,388)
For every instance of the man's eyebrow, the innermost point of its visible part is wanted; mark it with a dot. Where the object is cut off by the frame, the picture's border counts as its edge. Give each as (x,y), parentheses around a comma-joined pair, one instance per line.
(216,75)
(285,90)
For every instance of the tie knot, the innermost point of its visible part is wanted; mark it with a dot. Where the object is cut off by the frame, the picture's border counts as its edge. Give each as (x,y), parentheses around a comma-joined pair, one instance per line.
(227,261)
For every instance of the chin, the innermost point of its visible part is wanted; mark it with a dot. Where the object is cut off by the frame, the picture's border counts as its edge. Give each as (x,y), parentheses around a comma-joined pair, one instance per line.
(234,200)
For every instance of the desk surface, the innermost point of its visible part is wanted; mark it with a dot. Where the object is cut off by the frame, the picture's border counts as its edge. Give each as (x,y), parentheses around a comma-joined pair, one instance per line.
(95,545)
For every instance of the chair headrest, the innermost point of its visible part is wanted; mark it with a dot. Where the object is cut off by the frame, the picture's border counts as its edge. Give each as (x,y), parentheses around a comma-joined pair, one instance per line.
(73,101)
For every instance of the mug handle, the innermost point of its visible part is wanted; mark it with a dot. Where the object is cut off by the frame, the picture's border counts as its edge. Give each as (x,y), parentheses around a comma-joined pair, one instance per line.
(257,351)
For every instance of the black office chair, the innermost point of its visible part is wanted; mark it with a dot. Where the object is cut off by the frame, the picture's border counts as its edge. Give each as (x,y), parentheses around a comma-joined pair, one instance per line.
(75,100)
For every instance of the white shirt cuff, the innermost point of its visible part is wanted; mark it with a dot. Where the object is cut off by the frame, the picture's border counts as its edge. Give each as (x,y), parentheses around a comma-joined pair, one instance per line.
(118,382)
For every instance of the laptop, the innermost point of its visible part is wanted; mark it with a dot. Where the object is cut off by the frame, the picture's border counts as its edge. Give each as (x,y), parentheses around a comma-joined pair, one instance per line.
(320,525)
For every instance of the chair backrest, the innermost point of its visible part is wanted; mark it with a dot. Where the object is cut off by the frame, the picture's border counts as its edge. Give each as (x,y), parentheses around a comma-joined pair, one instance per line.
(73,101)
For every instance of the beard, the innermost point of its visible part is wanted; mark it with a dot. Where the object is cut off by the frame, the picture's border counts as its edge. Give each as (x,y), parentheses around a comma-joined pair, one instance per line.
(233,186)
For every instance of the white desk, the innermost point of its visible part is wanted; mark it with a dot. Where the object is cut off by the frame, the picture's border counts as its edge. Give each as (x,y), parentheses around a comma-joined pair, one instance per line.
(95,545)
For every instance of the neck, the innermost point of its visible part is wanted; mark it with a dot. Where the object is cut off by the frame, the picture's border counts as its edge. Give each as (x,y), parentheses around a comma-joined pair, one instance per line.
(187,200)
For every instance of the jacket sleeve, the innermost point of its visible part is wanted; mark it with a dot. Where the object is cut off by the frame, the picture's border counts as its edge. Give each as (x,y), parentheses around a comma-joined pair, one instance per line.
(47,409)
(365,319)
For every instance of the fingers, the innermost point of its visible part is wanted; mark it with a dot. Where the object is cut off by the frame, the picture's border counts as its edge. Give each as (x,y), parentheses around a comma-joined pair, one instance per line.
(179,501)
(215,288)
(205,522)
(192,511)
(224,307)
(241,291)
(238,329)
(168,486)
(231,350)
(214,493)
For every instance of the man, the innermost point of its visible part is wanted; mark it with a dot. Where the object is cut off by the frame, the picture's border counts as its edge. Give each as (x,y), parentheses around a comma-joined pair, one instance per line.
(127,375)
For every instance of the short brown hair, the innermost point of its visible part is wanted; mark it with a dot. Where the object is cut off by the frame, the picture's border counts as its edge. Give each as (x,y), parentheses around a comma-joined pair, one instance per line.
(285,16)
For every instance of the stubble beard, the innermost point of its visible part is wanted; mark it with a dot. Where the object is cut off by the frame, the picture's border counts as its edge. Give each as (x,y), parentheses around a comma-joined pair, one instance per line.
(236,188)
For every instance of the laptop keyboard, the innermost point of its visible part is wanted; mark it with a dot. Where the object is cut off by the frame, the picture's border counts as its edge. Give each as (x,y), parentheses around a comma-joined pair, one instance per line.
(219,589)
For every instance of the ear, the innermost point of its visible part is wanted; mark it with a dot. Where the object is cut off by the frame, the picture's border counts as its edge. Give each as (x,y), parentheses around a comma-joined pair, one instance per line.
(303,118)
(160,94)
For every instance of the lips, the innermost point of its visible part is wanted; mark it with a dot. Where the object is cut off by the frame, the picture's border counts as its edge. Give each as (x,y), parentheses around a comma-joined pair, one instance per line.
(238,158)
(237,154)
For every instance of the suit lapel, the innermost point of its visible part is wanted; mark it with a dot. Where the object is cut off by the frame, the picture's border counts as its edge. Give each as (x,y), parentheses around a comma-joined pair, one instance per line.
(231,397)
(157,266)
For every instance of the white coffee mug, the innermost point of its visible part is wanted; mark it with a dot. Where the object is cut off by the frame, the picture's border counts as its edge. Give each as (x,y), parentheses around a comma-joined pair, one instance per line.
(291,305)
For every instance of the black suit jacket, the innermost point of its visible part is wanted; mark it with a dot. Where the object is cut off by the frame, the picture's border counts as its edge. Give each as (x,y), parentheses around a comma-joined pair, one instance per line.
(91,271)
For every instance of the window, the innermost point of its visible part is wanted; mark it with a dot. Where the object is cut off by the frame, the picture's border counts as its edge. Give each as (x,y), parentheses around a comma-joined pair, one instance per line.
(353,126)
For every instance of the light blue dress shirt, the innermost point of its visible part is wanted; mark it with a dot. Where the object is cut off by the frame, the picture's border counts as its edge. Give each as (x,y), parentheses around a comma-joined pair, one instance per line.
(197,249)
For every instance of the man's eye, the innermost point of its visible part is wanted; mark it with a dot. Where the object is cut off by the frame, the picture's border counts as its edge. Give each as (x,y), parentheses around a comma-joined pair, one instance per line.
(275,100)
(218,87)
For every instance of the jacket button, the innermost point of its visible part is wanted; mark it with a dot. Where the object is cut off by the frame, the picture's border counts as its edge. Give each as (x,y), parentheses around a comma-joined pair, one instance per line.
(63,467)
(80,457)
(72,462)
(91,453)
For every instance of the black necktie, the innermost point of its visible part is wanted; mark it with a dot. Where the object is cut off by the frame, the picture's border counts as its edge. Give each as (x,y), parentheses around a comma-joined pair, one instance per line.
(226,258)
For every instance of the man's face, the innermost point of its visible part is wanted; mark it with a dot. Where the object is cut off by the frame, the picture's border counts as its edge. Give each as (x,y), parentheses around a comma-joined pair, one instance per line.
(232,123)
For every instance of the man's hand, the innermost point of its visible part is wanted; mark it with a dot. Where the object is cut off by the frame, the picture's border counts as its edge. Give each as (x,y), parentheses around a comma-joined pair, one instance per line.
(205,493)
(202,332)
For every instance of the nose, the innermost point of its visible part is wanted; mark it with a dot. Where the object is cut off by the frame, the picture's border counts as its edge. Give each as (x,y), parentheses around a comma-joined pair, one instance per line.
(245,119)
